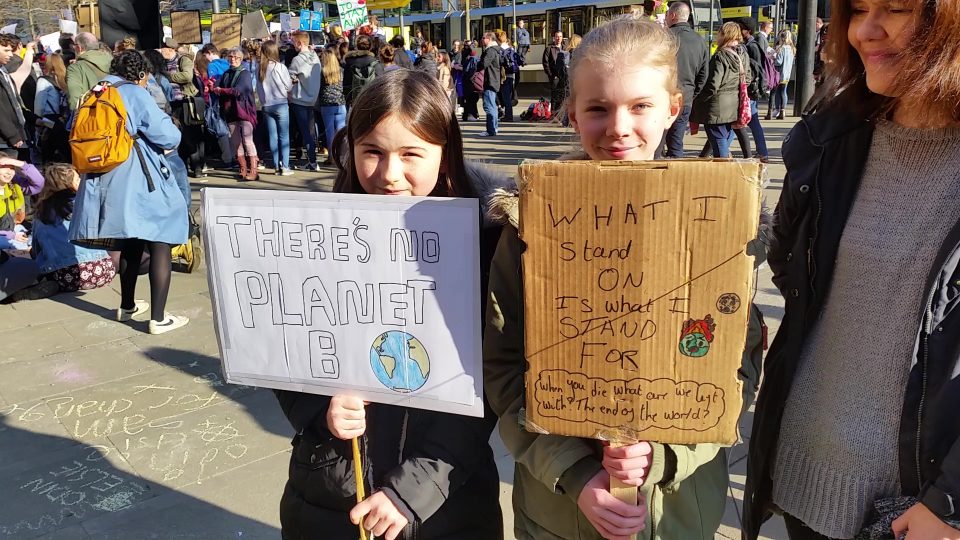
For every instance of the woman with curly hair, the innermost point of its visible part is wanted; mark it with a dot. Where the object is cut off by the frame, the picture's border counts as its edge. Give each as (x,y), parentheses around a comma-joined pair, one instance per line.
(138,205)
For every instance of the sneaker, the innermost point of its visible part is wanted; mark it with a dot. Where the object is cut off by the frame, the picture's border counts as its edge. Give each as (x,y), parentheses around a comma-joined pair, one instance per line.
(261,167)
(485,134)
(285,172)
(312,167)
(169,322)
(139,308)
(205,169)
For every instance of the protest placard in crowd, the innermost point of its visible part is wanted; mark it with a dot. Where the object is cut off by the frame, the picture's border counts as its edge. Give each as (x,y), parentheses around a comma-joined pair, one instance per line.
(637,291)
(333,293)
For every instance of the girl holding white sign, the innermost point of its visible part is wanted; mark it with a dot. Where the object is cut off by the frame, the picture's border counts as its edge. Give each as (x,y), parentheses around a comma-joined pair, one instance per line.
(623,95)
(431,475)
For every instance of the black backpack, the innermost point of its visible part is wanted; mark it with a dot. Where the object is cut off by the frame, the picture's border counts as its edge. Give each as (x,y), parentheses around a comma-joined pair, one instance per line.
(362,76)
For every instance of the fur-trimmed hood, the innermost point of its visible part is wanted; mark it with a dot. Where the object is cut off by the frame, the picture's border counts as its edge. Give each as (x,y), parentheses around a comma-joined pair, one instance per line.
(488,184)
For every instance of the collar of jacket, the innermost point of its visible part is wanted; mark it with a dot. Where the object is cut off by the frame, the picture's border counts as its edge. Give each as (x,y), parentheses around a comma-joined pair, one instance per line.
(357,54)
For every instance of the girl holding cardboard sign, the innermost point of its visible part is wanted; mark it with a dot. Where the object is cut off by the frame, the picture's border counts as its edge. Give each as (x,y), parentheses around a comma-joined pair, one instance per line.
(623,96)
(431,475)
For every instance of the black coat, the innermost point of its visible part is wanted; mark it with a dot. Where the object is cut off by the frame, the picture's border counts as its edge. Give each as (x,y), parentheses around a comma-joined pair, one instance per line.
(554,63)
(490,63)
(446,484)
(825,155)
(12,131)
(693,61)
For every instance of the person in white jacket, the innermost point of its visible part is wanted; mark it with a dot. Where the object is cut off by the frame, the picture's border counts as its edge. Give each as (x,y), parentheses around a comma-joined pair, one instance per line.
(274,90)
(306,74)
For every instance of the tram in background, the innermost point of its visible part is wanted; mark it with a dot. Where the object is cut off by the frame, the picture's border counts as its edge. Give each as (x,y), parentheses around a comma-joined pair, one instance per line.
(542,20)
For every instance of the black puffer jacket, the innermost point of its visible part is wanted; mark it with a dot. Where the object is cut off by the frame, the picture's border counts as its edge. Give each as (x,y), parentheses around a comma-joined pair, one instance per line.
(446,481)
(718,102)
(825,156)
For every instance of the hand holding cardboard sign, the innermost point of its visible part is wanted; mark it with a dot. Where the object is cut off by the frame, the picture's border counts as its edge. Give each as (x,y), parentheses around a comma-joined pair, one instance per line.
(382,517)
(629,464)
(613,519)
(346,418)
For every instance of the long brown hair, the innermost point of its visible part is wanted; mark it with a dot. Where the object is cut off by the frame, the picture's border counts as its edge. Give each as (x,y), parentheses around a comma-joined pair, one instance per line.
(929,70)
(269,52)
(420,103)
(56,70)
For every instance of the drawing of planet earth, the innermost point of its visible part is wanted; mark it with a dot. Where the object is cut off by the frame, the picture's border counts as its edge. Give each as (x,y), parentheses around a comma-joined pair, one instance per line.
(399,361)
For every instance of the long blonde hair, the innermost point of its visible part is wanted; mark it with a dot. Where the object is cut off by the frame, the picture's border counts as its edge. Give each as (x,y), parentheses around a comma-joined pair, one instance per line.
(786,40)
(630,39)
(331,66)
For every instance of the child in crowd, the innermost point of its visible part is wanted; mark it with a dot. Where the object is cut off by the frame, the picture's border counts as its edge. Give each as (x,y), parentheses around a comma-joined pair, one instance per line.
(72,267)
(432,474)
(624,94)
(18,180)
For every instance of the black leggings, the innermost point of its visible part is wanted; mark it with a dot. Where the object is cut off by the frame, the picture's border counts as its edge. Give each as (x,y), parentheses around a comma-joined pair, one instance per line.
(131,255)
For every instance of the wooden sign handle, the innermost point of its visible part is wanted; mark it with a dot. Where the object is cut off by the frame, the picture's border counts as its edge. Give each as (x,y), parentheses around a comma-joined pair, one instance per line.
(623,492)
(358,477)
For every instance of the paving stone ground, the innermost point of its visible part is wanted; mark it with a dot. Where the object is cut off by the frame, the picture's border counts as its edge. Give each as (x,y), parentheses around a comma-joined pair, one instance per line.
(107,432)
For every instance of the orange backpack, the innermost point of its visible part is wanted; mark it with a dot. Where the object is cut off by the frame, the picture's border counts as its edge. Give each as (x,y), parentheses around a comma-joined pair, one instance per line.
(99,140)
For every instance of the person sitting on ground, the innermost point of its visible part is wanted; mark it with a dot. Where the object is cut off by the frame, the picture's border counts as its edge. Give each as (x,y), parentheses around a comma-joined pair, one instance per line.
(70,267)
(18,180)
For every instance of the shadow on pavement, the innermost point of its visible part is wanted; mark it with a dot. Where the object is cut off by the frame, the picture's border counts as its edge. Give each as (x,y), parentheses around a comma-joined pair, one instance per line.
(74,489)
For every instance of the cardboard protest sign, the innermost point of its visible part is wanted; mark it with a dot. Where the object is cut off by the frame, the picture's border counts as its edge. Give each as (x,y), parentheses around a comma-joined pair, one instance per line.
(637,292)
(225,29)
(353,13)
(334,293)
(88,18)
(185,26)
(255,25)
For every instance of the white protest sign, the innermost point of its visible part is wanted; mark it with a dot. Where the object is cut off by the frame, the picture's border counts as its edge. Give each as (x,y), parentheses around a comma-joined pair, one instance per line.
(9,29)
(68,27)
(339,293)
(353,13)
(50,42)
(275,27)
(285,22)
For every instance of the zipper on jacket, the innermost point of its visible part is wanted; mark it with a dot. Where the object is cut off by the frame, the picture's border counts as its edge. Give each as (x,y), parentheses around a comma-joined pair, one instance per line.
(927,328)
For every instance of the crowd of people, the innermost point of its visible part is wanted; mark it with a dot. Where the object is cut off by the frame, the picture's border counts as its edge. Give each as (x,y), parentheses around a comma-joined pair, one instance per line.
(852,436)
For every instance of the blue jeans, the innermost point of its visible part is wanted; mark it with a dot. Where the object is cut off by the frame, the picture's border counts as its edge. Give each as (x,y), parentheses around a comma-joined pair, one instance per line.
(506,98)
(757,129)
(720,137)
(676,132)
(334,119)
(305,122)
(780,98)
(278,133)
(490,109)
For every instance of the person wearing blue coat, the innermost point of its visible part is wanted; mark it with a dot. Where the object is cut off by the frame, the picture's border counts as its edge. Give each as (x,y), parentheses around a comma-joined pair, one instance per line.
(137,206)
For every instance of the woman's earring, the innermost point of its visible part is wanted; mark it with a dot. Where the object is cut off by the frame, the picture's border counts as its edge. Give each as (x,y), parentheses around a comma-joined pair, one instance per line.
(143,75)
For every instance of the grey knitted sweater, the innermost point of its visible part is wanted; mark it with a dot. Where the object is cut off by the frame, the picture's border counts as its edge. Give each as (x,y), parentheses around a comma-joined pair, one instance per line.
(837,452)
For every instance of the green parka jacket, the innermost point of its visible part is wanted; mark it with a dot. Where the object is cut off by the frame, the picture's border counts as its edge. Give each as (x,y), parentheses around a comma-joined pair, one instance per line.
(719,101)
(687,487)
